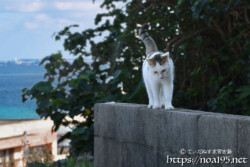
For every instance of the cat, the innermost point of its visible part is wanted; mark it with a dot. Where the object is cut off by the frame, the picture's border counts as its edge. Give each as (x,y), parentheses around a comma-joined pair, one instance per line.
(158,73)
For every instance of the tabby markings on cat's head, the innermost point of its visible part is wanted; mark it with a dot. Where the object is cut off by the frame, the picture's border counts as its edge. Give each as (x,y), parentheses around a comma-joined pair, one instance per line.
(157,57)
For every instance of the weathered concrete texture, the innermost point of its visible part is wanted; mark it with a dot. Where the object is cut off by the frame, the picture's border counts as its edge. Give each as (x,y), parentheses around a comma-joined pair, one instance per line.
(244,139)
(131,135)
(218,132)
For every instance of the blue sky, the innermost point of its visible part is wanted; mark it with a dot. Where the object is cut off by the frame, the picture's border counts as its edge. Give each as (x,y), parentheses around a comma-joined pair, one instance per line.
(26,26)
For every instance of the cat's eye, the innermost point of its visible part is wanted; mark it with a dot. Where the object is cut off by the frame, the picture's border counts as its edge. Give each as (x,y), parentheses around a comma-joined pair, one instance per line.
(163,71)
(156,72)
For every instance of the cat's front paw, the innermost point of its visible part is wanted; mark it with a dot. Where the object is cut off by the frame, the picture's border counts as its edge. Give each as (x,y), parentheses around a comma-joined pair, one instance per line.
(150,106)
(156,106)
(168,107)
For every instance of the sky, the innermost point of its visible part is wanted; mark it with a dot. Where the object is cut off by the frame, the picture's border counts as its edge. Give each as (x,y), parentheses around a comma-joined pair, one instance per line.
(27,26)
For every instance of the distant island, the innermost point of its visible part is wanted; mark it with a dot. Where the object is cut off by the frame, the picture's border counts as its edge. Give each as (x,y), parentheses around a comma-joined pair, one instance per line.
(35,61)
(20,62)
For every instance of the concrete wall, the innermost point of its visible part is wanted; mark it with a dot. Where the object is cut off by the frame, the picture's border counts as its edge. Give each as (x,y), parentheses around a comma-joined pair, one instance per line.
(130,135)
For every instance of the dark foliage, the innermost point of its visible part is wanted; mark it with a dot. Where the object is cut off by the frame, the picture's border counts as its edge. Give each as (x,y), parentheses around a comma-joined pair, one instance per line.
(209,42)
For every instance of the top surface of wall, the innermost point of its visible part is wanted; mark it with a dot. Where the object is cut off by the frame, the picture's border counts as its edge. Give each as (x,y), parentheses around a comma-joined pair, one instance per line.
(133,135)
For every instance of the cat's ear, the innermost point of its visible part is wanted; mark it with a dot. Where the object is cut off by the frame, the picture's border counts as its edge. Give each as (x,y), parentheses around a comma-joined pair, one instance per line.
(151,62)
(165,54)
(164,57)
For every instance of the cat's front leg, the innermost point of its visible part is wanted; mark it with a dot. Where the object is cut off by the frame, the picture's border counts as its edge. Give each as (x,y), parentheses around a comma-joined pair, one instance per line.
(150,94)
(162,98)
(151,102)
(168,93)
(169,107)
(156,95)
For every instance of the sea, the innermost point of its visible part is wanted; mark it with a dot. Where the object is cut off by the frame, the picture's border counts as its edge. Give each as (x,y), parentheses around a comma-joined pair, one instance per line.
(14,76)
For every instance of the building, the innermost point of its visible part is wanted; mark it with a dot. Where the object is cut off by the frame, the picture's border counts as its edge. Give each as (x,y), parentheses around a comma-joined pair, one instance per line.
(18,136)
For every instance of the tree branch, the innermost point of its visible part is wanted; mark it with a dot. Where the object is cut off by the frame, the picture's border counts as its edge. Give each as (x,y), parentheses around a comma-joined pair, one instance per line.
(218,28)
(170,43)
(188,36)
(246,17)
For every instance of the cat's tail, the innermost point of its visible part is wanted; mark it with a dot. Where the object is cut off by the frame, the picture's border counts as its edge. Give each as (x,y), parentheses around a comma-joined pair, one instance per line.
(147,39)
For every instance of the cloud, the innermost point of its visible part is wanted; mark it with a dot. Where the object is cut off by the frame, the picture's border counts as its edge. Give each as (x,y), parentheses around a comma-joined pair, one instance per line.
(32,7)
(51,14)
(38,6)
(42,17)
(39,21)
(75,6)
(30,25)
(25,7)
(44,21)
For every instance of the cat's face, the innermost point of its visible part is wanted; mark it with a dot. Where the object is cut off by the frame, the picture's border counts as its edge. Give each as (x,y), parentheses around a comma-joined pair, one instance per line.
(159,65)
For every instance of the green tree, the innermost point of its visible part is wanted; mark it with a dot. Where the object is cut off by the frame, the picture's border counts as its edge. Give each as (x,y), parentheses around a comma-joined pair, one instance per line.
(209,42)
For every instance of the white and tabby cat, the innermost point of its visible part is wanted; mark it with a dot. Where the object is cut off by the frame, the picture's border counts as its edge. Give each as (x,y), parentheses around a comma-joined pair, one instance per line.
(158,73)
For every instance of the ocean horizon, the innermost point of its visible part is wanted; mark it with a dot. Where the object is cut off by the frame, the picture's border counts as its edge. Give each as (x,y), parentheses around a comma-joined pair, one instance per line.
(13,78)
